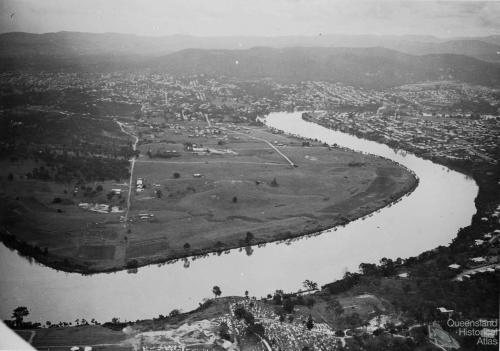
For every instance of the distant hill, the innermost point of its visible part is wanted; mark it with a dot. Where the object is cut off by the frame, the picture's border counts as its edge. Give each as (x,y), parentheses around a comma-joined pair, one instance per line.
(373,67)
(19,44)
(470,47)
(368,67)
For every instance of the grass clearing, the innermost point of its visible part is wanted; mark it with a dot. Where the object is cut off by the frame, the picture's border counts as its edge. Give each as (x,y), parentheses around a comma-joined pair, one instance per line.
(219,186)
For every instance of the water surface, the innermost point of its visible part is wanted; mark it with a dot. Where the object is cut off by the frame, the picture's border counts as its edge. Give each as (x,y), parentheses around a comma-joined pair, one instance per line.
(430,216)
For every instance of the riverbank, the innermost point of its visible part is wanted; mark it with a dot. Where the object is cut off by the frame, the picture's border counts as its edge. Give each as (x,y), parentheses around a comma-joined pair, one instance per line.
(428,283)
(235,204)
(433,279)
(386,234)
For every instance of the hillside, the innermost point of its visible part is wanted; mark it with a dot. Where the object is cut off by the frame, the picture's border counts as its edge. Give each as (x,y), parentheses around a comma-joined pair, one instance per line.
(374,66)
(367,67)
(487,51)
(18,44)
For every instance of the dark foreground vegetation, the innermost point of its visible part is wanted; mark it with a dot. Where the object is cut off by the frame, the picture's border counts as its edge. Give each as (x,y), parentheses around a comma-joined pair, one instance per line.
(83,147)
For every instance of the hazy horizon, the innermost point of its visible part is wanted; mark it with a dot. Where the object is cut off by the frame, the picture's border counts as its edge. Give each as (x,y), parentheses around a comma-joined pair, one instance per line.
(259,36)
(442,19)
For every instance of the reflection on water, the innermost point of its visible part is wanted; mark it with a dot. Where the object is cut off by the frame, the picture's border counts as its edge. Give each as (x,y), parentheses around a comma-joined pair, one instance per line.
(431,216)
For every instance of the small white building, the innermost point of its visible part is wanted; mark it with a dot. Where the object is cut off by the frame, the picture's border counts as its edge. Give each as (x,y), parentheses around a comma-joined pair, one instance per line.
(444,310)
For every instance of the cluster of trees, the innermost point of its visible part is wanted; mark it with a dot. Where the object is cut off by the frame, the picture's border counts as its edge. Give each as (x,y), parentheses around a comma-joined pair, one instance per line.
(63,168)
(162,153)
(285,304)
(23,247)
(29,130)
(39,173)
(386,268)
(252,328)
(94,150)
(347,282)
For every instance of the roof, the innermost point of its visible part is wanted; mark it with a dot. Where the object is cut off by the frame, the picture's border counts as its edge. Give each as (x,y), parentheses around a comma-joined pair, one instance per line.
(444,310)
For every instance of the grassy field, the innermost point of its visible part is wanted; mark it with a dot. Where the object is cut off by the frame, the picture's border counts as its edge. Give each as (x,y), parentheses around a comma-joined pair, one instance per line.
(213,186)
(98,337)
(133,336)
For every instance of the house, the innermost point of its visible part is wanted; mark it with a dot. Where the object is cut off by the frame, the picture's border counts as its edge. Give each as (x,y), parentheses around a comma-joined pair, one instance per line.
(444,310)
(477,261)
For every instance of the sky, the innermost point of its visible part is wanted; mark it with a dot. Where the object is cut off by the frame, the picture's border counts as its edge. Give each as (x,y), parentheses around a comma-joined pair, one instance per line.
(253,17)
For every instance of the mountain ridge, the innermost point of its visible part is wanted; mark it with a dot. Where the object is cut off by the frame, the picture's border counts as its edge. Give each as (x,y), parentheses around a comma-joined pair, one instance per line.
(371,67)
(15,44)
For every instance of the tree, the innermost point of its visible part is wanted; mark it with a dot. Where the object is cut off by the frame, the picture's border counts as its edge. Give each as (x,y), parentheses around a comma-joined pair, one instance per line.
(224,331)
(159,194)
(241,313)
(98,188)
(187,246)
(249,237)
(177,175)
(174,313)
(235,199)
(246,294)
(368,268)
(19,313)
(277,299)
(256,328)
(274,183)
(288,305)
(217,291)
(340,333)
(308,284)
(248,250)
(310,323)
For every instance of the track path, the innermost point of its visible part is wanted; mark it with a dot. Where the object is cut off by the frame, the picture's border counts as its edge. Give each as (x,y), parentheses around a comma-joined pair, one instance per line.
(268,143)
(132,165)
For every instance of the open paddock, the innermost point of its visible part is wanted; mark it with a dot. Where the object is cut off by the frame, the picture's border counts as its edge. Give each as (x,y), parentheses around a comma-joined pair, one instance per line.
(202,202)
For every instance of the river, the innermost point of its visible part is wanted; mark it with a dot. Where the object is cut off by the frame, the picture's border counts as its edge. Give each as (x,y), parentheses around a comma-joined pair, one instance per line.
(430,216)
